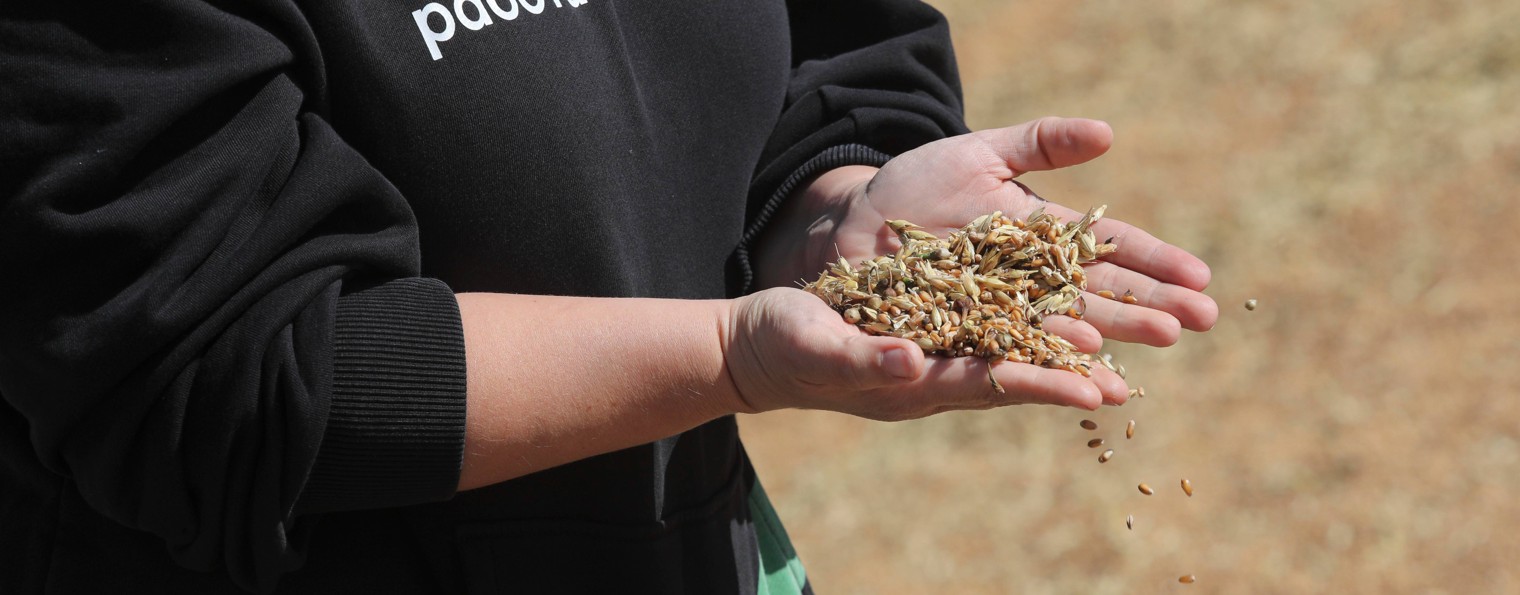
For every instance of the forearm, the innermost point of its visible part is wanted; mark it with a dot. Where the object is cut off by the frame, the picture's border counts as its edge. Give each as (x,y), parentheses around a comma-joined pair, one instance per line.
(796,244)
(557,379)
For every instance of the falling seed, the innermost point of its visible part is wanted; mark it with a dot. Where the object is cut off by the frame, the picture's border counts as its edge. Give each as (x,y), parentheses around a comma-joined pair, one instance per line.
(1107,454)
(1089,424)
(1145,489)
(1251,304)
(1129,522)
(1187,579)
(1187,487)
(1140,392)
(1129,432)
(1095,442)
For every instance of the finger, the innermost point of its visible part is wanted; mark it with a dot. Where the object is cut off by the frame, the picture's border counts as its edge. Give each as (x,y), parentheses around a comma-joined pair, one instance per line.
(1083,335)
(1028,383)
(961,383)
(1048,143)
(1131,323)
(1138,250)
(1145,254)
(1196,311)
(1115,391)
(858,361)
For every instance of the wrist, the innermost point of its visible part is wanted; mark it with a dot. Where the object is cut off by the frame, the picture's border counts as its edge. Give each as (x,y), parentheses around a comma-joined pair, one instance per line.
(800,239)
(733,399)
(703,351)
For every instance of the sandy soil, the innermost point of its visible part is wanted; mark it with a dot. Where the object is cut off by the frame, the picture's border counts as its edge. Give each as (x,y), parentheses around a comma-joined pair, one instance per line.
(1352,165)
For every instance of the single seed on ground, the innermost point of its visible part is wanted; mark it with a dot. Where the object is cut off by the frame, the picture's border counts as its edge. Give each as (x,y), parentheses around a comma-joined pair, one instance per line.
(1095,442)
(1089,424)
(1129,431)
(1187,487)
(1129,522)
(1107,454)
(1251,304)
(1145,489)
(1187,579)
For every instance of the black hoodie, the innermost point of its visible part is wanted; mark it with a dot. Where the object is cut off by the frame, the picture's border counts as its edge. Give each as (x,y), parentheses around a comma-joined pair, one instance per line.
(230,233)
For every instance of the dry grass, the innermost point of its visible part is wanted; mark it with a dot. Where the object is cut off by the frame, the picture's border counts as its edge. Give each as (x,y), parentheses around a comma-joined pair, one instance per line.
(1353,165)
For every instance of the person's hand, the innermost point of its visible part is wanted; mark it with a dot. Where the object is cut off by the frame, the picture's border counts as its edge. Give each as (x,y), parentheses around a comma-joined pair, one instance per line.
(785,348)
(943,185)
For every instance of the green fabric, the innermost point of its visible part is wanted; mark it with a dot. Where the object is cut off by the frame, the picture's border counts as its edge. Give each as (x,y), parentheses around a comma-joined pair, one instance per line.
(781,571)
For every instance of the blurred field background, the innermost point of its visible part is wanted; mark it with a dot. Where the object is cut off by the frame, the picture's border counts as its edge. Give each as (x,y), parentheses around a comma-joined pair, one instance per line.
(1354,166)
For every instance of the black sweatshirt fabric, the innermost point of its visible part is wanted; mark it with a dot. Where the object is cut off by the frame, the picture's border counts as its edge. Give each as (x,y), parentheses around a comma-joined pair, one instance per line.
(230,234)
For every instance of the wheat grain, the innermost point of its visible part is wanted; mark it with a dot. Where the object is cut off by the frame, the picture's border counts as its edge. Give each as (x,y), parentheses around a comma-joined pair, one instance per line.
(983,290)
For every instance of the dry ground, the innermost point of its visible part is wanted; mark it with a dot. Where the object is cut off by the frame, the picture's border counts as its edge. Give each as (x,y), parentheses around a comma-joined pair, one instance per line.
(1353,165)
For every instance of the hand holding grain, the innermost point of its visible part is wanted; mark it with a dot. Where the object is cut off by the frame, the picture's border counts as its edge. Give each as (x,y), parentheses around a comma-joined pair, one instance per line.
(787,349)
(943,184)
(974,174)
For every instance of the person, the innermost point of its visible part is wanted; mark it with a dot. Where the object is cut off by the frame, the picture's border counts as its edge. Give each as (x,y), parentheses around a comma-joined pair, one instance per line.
(464,297)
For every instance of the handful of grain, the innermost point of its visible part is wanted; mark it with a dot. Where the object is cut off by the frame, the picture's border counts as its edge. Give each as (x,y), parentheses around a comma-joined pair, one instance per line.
(983,291)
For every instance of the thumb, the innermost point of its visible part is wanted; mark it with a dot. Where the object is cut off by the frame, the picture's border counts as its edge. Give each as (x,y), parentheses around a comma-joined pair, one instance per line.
(864,362)
(1049,143)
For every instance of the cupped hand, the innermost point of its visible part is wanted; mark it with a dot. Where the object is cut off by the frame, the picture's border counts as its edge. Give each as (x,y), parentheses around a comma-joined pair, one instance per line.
(944,184)
(785,348)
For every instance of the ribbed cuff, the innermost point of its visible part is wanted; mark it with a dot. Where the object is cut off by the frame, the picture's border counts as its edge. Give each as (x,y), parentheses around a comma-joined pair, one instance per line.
(395,430)
(830,158)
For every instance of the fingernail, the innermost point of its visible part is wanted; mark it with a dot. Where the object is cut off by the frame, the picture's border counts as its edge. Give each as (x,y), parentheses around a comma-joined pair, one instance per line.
(897,363)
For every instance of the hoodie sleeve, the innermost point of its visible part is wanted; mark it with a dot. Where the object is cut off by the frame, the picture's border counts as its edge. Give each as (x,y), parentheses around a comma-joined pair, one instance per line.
(871,79)
(211,316)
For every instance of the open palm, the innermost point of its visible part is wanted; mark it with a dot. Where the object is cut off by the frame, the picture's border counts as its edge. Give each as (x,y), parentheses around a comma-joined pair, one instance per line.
(943,185)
